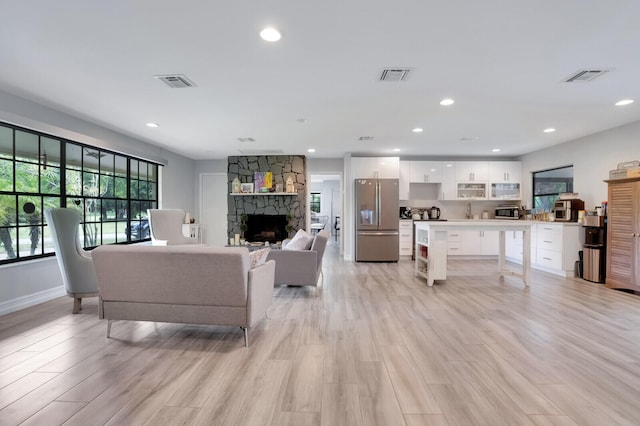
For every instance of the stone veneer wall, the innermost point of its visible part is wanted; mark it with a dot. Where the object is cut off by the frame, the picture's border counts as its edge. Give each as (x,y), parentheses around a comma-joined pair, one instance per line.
(281,166)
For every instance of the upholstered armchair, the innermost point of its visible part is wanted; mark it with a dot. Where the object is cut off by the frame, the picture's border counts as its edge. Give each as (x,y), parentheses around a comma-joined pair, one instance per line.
(300,267)
(75,264)
(165,226)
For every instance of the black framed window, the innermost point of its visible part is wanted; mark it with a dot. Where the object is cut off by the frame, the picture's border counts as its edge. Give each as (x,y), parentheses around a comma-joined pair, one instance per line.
(549,184)
(314,204)
(39,171)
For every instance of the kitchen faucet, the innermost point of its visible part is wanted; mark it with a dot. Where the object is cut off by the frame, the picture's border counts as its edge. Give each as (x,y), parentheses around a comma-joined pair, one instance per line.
(468,212)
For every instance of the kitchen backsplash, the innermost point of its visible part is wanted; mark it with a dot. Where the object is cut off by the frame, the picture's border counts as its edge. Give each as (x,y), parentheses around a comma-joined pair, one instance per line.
(455,209)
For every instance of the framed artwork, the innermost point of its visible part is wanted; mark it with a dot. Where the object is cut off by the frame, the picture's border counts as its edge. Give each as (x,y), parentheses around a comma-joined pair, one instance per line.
(246,188)
(263,181)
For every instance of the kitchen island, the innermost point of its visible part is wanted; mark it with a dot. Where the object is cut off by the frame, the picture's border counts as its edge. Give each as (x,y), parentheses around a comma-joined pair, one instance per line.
(431,246)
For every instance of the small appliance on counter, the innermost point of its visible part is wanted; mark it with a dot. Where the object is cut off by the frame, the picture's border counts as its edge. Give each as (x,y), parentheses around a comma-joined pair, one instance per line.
(432,213)
(405,213)
(507,212)
(567,210)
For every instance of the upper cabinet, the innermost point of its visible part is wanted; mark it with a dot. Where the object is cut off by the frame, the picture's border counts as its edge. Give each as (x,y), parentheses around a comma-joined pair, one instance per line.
(505,171)
(426,172)
(471,171)
(405,180)
(375,167)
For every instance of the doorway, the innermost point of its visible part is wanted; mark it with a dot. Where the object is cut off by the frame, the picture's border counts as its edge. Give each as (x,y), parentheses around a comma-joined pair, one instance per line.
(325,201)
(213,208)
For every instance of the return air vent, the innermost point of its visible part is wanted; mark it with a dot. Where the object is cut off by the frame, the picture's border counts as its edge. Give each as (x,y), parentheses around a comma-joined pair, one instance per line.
(246,140)
(394,74)
(582,76)
(365,138)
(176,81)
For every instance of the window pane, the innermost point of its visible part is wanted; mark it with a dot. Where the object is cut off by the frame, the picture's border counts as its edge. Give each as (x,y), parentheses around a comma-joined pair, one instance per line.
(106,186)
(106,163)
(6,142)
(90,182)
(50,180)
(121,187)
(121,166)
(27,177)
(134,189)
(91,209)
(108,209)
(26,146)
(90,159)
(50,148)
(74,156)
(6,175)
(8,243)
(48,241)
(29,240)
(92,234)
(134,169)
(108,232)
(121,232)
(30,210)
(152,190)
(142,190)
(8,212)
(74,182)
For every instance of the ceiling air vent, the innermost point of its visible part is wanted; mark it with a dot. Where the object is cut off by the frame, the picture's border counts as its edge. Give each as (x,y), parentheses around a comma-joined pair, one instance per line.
(176,81)
(365,138)
(394,74)
(585,75)
(246,140)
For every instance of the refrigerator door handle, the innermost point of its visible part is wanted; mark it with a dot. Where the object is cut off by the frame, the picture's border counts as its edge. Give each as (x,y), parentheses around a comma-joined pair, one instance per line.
(378,233)
(378,202)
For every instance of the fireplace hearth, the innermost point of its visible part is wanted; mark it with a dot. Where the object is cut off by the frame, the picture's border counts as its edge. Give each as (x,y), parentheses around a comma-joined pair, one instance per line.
(262,227)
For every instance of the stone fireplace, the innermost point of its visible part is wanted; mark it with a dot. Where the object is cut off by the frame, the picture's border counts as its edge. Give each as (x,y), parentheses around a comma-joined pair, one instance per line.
(282,206)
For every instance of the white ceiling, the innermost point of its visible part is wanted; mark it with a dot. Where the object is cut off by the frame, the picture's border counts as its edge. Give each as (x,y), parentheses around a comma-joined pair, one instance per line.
(503,61)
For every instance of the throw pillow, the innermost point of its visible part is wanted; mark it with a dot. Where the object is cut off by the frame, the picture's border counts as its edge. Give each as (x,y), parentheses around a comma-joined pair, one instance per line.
(300,241)
(258,257)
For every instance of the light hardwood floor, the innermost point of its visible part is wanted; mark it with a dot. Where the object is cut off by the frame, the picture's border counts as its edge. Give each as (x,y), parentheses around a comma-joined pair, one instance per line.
(372,346)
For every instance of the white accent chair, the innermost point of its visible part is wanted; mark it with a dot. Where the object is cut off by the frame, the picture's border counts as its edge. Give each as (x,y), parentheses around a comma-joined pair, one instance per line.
(75,264)
(165,226)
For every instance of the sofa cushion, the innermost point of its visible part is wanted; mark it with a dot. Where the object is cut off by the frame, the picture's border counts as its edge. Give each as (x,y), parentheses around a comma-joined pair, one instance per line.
(301,241)
(258,257)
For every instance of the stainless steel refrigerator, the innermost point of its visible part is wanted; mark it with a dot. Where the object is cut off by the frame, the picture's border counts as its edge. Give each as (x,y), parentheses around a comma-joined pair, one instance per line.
(377,223)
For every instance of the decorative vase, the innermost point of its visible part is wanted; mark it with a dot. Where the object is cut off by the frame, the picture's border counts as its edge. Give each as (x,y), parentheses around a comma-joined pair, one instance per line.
(235,185)
(290,187)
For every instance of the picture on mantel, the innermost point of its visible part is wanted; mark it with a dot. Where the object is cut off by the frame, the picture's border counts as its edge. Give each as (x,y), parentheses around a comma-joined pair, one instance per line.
(262,181)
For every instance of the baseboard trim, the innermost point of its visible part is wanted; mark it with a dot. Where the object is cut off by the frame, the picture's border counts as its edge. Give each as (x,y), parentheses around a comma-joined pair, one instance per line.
(23,302)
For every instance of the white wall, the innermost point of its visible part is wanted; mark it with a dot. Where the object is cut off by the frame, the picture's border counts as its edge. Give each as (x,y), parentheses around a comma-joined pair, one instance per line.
(27,283)
(592,157)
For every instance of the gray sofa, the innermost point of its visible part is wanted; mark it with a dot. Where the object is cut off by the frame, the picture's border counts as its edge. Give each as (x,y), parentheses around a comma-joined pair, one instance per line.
(182,284)
(300,267)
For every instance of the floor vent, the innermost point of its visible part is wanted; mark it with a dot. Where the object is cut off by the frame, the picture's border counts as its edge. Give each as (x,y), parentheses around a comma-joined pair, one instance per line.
(176,81)
(394,74)
(585,75)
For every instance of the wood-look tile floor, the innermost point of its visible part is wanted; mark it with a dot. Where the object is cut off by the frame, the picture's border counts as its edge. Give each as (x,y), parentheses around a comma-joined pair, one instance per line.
(373,346)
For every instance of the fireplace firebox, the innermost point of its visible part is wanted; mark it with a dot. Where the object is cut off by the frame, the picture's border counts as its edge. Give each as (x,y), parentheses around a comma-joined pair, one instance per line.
(263,227)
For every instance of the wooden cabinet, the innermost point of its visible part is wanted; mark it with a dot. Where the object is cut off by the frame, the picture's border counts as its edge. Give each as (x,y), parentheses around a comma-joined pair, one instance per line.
(406,237)
(426,172)
(623,234)
(375,167)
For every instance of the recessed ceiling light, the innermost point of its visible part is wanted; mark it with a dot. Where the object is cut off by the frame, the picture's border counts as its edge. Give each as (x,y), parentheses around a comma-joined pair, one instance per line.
(396,149)
(301,120)
(311,150)
(495,150)
(270,34)
(417,130)
(154,125)
(447,102)
(624,102)
(449,165)
(549,130)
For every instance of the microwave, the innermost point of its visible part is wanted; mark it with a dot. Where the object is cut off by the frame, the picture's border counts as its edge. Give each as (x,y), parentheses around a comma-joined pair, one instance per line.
(508,212)
(567,210)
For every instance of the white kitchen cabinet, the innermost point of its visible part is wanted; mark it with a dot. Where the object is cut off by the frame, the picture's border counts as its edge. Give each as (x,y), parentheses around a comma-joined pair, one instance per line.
(505,180)
(554,247)
(472,171)
(405,179)
(479,243)
(375,167)
(505,171)
(448,185)
(406,237)
(454,243)
(426,172)
(471,191)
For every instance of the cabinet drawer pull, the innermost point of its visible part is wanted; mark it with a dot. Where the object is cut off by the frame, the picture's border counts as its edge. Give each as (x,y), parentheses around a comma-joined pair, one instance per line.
(546,258)
(548,229)
(548,241)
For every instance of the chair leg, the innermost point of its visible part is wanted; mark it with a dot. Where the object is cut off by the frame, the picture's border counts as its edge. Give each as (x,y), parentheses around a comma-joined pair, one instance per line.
(77,305)
(246,336)
(108,328)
